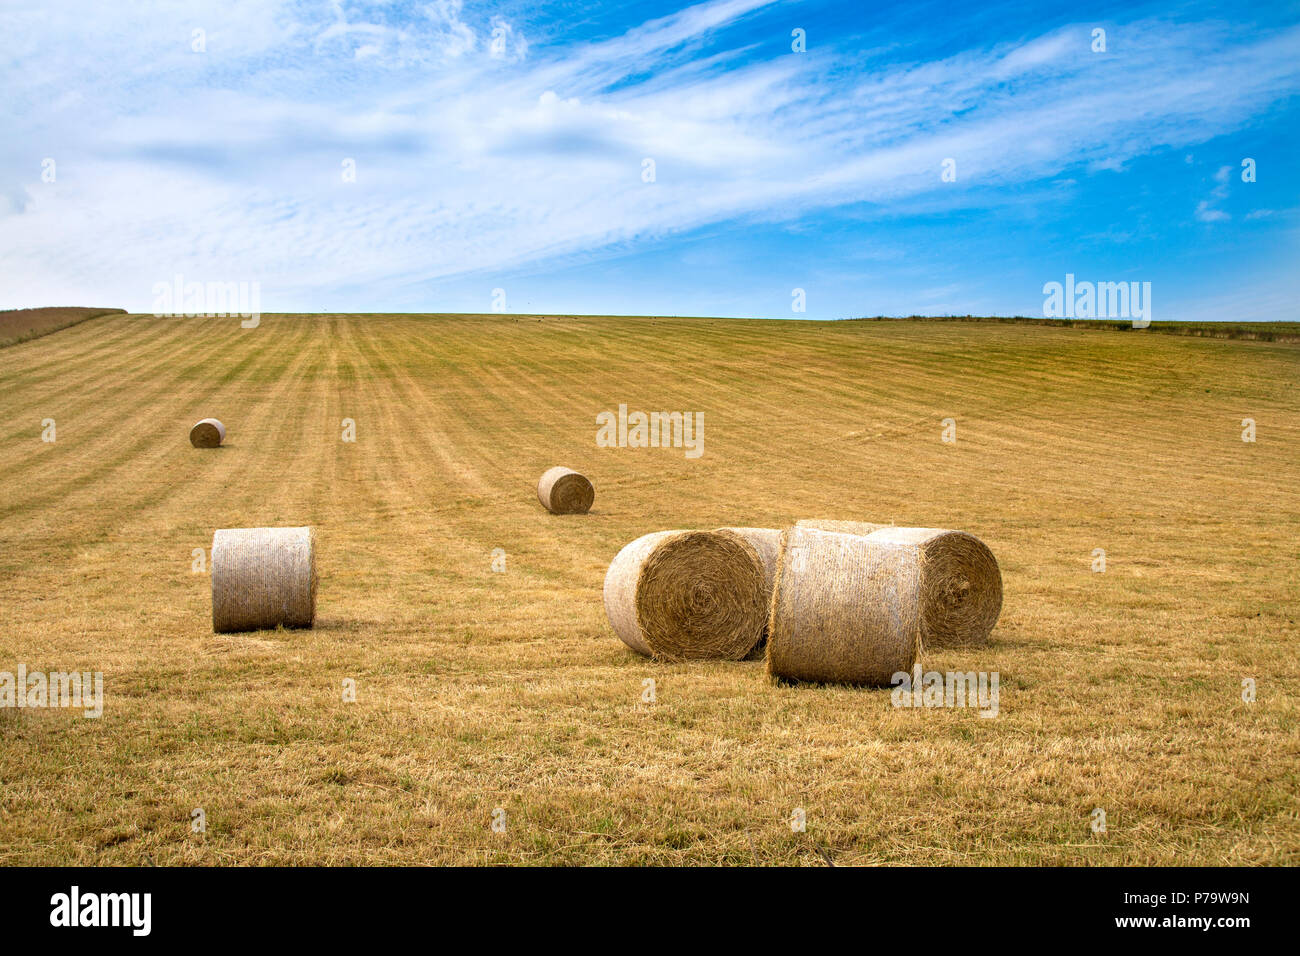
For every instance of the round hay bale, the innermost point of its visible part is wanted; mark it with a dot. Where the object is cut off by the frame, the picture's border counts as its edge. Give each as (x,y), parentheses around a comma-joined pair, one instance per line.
(207,433)
(843,527)
(688,595)
(562,491)
(767,542)
(844,609)
(263,578)
(961,586)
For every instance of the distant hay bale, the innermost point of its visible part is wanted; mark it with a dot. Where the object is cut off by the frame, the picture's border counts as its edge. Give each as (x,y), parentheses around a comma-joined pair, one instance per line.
(689,595)
(208,433)
(961,587)
(844,609)
(263,578)
(562,491)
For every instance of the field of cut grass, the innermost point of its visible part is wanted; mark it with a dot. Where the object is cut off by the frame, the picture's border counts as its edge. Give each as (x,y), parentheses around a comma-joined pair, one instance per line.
(1255,331)
(20,325)
(479,690)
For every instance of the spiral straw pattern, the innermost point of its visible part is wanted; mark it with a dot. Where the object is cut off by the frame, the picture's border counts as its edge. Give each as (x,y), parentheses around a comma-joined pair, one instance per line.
(207,433)
(689,595)
(563,491)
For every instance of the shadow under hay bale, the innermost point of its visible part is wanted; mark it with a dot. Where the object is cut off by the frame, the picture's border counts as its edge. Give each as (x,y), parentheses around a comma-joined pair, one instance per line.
(844,610)
(690,595)
(208,433)
(263,578)
(961,584)
(563,491)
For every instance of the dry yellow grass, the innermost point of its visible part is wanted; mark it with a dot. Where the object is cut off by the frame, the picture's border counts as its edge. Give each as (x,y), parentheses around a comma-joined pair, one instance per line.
(19,325)
(478,690)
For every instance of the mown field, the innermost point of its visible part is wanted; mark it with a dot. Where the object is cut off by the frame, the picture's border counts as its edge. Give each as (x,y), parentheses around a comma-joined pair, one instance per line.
(479,690)
(20,325)
(1260,331)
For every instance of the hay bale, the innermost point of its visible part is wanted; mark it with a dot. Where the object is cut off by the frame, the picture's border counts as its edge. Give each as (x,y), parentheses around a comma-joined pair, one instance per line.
(562,491)
(961,587)
(263,578)
(689,595)
(207,433)
(961,584)
(843,527)
(767,542)
(844,609)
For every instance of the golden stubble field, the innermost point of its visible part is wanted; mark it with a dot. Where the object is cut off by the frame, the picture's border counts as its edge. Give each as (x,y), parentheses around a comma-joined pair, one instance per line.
(480,690)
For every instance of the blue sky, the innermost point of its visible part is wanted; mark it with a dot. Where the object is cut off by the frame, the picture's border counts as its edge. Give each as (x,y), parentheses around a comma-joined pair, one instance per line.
(503,146)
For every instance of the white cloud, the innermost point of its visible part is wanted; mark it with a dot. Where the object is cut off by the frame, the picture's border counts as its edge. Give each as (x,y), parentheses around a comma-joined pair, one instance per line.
(1206,210)
(227,164)
(1206,213)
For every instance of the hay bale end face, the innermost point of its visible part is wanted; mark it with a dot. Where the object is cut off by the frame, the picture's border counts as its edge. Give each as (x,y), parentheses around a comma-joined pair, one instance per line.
(563,491)
(961,585)
(263,578)
(844,610)
(208,433)
(688,595)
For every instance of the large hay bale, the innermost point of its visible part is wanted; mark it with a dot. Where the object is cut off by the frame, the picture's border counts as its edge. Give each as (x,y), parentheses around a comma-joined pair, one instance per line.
(844,609)
(689,595)
(563,491)
(263,578)
(843,527)
(207,433)
(961,585)
(767,542)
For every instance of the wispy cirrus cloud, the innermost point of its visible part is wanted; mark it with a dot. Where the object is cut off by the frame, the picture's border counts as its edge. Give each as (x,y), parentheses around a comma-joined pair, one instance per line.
(479,149)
